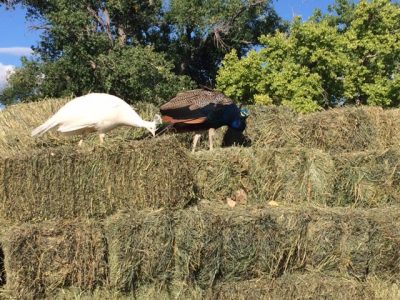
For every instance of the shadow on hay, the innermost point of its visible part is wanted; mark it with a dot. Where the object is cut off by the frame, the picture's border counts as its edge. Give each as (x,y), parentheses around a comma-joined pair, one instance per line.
(235,138)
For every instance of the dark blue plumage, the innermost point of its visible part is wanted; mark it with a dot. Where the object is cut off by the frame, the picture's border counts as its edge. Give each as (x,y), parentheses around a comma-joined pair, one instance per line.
(201,109)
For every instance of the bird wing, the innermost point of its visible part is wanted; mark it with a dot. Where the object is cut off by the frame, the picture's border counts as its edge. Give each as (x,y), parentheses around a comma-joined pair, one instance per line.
(193,107)
(168,119)
(195,99)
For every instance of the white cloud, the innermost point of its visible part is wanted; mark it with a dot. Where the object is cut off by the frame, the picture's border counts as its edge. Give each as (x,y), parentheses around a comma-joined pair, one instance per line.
(5,70)
(17,51)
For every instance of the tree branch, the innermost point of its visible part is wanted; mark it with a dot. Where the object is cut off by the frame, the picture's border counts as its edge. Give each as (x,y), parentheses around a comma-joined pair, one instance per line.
(225,26)
(105,24)
(121,36)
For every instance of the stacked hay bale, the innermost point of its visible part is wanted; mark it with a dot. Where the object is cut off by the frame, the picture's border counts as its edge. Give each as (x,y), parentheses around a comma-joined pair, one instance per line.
(145,218)
(69,182)
(42,257)
(56,199)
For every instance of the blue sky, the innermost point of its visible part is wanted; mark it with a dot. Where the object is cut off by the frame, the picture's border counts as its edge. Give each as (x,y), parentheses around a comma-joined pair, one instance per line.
(16,36)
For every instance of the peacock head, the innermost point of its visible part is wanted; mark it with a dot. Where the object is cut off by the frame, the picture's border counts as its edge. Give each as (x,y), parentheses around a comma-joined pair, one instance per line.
(240,122)
(244,112)
(152,127)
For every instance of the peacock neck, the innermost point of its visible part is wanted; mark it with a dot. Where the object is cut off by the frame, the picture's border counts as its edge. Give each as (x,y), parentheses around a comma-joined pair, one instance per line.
(144,124)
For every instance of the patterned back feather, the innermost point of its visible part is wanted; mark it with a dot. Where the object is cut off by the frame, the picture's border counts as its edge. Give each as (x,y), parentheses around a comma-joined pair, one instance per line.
(195,99)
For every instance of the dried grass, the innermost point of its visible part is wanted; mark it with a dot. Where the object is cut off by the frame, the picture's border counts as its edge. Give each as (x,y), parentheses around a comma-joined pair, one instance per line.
(67,182)
(140,249)
(298,174)
(39,258)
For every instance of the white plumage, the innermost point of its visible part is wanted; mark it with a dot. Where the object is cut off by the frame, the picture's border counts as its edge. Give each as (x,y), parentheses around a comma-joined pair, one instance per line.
(95,112)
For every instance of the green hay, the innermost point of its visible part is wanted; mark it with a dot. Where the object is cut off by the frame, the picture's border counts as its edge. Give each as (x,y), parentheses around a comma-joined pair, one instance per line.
(140,249)
(217,244)
(294,175)
(367,179)
(273,126)
(296,286)
(202,248)
(41,258)
(67,182)
(286,174)
(292,286)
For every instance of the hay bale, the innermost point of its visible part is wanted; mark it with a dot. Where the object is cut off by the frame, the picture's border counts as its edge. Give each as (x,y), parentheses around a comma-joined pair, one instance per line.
(292,286)
(387,128)
(302,175)
(358,242)
(273,126)
(297,174)
(384,243)
(350,129)
(17,121)
(339,241)
(296,286)
(39,258)
(282,174)
(67,182)
(140,247)
(335,130)
(367,179)
(215,244)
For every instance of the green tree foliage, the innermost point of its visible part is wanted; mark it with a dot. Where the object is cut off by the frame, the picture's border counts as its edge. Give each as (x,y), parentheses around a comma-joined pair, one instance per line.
(202,32)
(139,71)
(92,46)
(132,73)
(374,46)
(23,83)
(120,46)
(350,54)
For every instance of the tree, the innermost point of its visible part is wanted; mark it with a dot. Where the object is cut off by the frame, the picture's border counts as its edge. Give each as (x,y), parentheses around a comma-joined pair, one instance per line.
(202,32)
(23,83)
(81,44)
(373,44)
(347,56)
(78,36)
(132,73)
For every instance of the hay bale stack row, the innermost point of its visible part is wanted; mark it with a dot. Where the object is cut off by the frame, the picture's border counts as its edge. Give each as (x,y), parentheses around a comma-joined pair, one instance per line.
(67,182)
(313,285)
(336,130)
(205,248)
(298,174)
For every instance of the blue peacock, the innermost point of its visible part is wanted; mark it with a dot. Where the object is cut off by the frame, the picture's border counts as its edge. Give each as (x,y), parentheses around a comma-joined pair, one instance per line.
(202,109)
